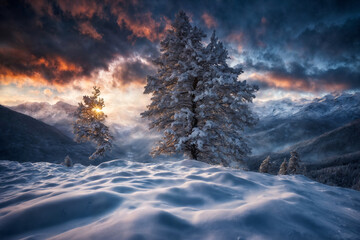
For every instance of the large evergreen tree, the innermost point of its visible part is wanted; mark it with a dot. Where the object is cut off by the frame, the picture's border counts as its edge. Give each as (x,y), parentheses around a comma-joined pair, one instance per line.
(90,124)
(197,101)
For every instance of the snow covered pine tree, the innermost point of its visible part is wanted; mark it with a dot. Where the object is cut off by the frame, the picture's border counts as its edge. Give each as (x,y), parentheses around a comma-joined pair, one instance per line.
(265,165)
(294,166)
(283,168)
(89,124)
(197,101)
(68,162)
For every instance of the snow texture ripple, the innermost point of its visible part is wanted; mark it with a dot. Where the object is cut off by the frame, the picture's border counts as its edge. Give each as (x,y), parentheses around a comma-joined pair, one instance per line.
(169,200)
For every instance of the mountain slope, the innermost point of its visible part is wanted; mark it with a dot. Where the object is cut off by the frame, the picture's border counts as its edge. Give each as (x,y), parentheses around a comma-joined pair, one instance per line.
(24,138)
(343,140)
(343,171)
(325,158)
(128,140)
(280,127)
(59,115)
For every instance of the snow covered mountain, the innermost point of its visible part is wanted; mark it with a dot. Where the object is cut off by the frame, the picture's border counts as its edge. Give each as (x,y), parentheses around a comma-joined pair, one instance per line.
(169,200)
(337,142)
(59,115)
(24,138)
(286,123)
(340,141)
(278,108)
(325,105)
(338,151)
(325,132)
(128,139)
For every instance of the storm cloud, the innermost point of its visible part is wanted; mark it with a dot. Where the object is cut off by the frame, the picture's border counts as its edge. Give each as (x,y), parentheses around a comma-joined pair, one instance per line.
(60,41)
(132,71)
(305,46)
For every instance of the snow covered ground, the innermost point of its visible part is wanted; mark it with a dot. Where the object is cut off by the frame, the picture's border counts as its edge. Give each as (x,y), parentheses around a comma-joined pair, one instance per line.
(169,200)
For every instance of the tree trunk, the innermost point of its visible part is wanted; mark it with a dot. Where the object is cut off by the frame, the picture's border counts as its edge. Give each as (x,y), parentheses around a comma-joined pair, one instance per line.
(193,149)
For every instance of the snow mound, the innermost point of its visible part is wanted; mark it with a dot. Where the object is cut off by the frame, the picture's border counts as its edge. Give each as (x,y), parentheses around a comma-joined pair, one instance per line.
(169,200)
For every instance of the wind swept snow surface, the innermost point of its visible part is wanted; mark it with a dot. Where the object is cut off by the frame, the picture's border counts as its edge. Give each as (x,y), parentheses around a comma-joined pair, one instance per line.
(169,200)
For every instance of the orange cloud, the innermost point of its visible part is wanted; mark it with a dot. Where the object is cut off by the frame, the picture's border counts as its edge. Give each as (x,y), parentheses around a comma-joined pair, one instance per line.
(77,8)
(35,70)
(57,59)
(209,20)
(237,39)
(8,77)
(41,7)
(288,83)
(87,29)
(142,25)
(81,8)
(58,64)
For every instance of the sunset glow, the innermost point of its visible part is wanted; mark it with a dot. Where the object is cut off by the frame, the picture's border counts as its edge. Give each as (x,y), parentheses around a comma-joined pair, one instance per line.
(98,110)
(180,119)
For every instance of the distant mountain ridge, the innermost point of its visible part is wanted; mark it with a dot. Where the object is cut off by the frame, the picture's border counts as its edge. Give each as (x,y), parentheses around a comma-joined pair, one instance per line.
(286,107)
(340,141)
(325,132)
(332,158)
(275,132)
(337,142)
(25,139)
(129,140)
(59,115)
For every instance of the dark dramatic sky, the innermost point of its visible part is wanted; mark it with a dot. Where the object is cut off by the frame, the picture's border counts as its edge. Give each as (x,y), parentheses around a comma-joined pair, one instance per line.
(55,50)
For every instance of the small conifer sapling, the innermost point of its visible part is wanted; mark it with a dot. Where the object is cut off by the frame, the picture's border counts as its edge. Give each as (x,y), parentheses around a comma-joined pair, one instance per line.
(265,165)
(283,168)
(294,163)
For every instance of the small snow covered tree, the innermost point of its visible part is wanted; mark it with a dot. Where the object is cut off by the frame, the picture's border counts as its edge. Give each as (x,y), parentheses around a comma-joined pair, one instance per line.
(294,166)
(68,162)
(265,165)
(90,126)
(283,168)
(198,103)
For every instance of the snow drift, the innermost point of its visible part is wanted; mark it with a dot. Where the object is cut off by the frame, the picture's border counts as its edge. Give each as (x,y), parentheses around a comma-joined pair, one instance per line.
(169,200)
